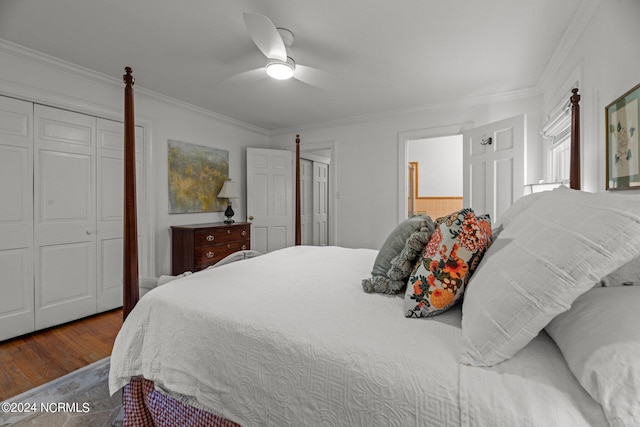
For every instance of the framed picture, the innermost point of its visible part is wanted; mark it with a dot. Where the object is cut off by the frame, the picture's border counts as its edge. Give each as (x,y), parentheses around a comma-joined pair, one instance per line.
(196,175)
(623,159)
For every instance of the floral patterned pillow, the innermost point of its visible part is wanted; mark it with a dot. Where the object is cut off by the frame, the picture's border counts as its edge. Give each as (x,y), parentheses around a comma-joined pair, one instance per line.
(454,251)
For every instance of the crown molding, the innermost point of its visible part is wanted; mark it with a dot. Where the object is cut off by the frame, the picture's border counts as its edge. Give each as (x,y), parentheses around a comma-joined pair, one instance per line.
(41,59)
(451,104)
(48,61)
(576,27)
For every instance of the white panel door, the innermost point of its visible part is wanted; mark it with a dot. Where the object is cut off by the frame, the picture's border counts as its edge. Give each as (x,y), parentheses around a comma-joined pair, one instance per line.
(270,198)
(110,182)
(16,218)
(320,204)
(493,173)
(306,201)
(64,216)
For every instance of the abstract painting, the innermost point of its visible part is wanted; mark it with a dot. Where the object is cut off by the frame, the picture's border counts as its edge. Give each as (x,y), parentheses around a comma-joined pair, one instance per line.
(196,175)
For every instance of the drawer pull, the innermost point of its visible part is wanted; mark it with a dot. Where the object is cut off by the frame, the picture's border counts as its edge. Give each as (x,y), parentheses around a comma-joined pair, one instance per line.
(228,245)
(210,254)
(210,238)
(244,246)
(244,233)
(228,231)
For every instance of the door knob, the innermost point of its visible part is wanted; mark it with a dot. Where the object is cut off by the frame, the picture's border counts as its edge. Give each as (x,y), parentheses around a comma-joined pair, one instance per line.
(250,217)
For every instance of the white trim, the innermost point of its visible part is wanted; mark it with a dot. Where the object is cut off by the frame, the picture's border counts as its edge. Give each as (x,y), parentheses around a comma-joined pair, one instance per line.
(562,93)
(24,53)
(581,19)
(39,58)
(452,104)
(315,158)
(412,135)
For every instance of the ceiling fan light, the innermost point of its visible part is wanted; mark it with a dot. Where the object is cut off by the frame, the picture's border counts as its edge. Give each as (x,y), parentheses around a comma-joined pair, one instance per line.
(281,70)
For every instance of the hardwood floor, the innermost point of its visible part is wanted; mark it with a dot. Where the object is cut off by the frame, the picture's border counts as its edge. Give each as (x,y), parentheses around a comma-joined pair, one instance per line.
(37,358)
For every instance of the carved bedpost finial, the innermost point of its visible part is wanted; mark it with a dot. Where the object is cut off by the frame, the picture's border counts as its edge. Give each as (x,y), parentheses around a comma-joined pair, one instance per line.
(128,78)
(297,138)
(575,98)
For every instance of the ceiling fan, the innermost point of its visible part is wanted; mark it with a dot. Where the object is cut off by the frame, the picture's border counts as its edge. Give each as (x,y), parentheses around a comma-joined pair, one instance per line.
(273,43)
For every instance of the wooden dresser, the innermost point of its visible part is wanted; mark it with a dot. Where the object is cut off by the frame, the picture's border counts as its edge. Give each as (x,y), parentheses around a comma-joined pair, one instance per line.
(198,246)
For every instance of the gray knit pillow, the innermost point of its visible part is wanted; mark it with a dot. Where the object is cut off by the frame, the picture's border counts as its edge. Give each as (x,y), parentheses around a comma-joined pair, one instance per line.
(393,247)
(627,275)
(403,264)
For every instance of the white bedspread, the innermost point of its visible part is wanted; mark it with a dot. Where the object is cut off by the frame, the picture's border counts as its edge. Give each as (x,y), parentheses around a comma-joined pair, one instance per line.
(290,338)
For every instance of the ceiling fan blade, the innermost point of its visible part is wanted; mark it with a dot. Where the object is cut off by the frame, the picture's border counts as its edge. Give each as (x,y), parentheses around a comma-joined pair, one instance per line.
(246,77)
(314,77)
(265,35)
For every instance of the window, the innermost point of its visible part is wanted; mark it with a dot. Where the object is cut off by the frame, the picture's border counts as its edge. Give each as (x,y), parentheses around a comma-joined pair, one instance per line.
(557,135)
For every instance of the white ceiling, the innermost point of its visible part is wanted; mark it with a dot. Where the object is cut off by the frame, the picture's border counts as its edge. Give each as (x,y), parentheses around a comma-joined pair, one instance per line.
(381,55)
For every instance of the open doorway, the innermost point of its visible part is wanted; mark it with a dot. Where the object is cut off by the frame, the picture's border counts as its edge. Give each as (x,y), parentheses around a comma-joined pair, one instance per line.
(434,174)
(404,139)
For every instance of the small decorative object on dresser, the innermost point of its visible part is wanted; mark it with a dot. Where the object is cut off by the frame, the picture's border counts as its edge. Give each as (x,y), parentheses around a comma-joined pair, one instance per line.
(198,246)
(228,191)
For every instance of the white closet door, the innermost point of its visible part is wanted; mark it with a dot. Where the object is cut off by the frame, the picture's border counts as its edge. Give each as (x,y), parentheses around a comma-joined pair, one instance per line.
(16,218)
(110,210)
(306,201)
(64,216)
(320,204)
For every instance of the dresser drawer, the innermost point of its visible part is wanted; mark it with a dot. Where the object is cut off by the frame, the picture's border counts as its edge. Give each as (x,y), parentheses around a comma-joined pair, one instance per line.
(220,235)
(206,256)
(198,246)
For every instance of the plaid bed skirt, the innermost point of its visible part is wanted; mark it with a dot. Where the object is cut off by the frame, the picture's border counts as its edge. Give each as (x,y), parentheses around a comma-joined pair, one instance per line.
(144,406)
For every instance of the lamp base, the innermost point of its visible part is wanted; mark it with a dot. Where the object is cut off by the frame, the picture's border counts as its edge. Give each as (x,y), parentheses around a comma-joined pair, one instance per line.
(229,213)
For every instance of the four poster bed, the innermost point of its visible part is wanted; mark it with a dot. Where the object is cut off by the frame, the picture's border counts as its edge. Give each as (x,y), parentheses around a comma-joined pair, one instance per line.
(290,338)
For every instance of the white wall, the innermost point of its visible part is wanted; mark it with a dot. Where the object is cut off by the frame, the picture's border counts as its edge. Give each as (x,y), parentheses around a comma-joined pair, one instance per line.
(33,77)
(439,165)
(367,164)
(606,58)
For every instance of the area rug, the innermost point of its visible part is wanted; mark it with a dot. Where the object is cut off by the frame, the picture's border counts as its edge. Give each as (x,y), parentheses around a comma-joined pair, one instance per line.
(80,398)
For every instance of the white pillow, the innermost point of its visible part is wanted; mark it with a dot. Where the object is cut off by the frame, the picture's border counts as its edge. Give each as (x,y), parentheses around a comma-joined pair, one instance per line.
(519,206)
(600,340)
(548,256)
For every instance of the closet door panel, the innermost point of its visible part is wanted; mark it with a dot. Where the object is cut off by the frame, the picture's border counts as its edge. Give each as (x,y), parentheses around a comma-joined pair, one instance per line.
(320,204)
(110,225)
(65,216)
(306,205)
(16,218)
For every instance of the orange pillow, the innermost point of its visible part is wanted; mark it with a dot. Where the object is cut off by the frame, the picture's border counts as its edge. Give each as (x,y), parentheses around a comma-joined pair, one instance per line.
(440,275)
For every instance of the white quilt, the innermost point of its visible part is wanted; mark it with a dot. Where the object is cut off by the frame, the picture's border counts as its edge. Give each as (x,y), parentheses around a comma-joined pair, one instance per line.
(290,338)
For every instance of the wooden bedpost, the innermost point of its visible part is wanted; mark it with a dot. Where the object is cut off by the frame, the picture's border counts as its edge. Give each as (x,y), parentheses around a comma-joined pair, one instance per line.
(574,167)
(130,247)
(298,213)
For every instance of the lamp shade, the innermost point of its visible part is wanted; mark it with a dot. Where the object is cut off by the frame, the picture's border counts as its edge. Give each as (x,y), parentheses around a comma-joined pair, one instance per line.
(229,190)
